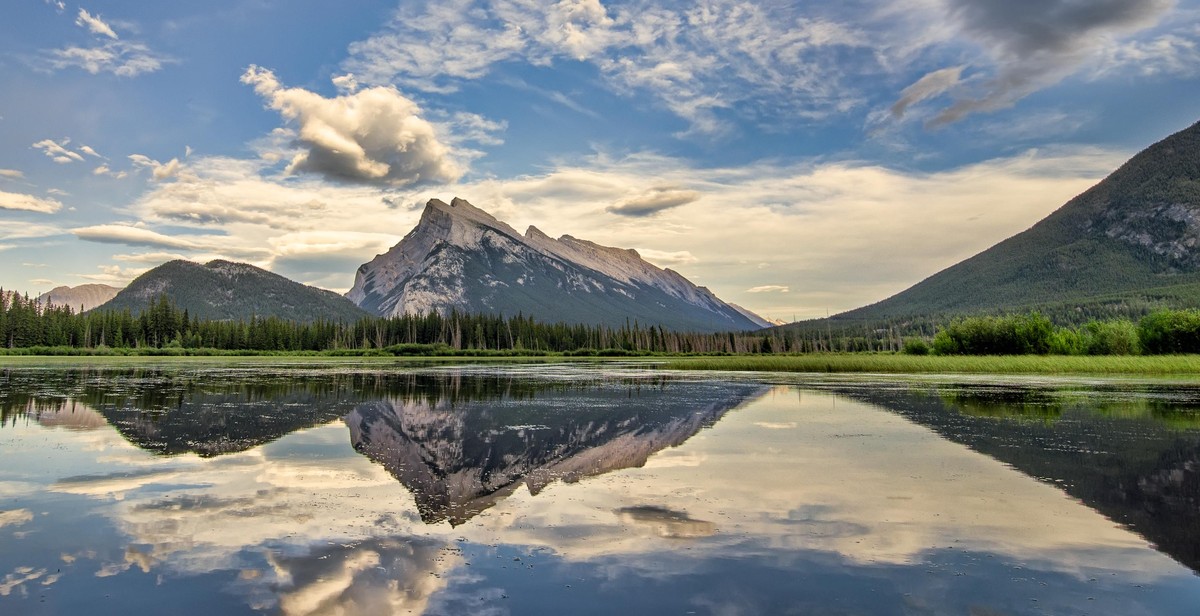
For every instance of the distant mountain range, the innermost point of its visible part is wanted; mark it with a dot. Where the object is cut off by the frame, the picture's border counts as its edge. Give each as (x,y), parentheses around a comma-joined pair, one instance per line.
(222,290)
(1131,238)
(460,257)
(79,299)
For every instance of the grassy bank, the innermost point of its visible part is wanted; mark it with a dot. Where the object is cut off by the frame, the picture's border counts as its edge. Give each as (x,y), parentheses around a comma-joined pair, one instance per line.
(1158,365)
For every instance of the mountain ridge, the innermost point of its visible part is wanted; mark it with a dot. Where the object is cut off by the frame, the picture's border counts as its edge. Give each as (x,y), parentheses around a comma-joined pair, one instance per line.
(459,257)
(227,291)
(1135,230)
(79,298)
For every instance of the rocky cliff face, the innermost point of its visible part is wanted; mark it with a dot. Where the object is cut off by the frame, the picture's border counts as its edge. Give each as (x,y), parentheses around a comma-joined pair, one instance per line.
(459,257)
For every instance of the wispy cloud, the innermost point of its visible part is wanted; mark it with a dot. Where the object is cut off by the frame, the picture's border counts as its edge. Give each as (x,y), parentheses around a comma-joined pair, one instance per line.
(121,58)
(728,55)
(1172,53)
(57,151)
(94,24)
(844,233)
(12,174)
(1025,45)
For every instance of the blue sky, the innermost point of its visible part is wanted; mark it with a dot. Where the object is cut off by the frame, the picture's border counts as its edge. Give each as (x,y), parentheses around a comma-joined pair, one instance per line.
(798,158)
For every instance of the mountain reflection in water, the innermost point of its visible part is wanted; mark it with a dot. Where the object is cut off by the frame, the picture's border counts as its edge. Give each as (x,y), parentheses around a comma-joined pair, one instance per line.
(457,444)
(458,458)
(274,490)
(1133,458)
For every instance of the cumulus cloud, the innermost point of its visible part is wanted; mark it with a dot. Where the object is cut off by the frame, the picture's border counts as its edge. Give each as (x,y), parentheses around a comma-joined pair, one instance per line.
(28,203)
(121,58)
(57,151)
(94,24)
(727,56)
(374,135)
(1030,44)
(653,201)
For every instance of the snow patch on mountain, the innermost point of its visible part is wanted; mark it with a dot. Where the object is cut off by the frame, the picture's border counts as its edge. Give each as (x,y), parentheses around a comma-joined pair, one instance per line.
(460,257)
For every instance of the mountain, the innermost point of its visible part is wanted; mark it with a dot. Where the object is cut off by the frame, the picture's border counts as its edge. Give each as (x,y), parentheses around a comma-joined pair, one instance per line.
(222,290)
(1132,237)
(460,457)
(460,257)
(80,299)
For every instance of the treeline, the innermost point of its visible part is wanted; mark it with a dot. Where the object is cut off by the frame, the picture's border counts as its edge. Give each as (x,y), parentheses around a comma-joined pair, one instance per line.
(25,324)
(1158,333)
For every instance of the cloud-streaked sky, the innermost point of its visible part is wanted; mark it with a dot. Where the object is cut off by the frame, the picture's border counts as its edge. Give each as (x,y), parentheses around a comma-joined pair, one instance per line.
(796,157)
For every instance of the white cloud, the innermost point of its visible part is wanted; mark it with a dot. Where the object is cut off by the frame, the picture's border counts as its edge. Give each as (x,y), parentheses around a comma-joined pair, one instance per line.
(28,203)
(106,171)
(12,174)
(121,58)
(663,258)
(158,171)
(1176,53)
(94,24)
(769,288)
(57,151)
(730,55)
(375,135)
(89,151)
(838,235)
(133,236)
(114,275)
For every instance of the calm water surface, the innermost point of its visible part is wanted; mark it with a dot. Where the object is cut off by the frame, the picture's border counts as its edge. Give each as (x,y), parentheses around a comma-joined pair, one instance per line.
(535,489)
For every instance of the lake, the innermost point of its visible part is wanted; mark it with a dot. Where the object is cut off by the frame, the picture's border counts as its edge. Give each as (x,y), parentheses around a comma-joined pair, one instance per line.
(592,489)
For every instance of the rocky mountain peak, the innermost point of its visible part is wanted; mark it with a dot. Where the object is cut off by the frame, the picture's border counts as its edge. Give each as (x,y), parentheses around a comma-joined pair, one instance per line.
(462,258)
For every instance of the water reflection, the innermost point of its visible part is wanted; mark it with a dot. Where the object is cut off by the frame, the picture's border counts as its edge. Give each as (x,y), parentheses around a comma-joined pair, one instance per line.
(458,458)
(575,490)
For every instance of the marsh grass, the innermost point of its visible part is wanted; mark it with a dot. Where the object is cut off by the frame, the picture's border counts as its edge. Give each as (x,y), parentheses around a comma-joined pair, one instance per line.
(933,364)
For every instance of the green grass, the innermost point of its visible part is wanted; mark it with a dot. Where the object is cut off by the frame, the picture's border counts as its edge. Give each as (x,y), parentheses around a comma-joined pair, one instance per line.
(1172,365)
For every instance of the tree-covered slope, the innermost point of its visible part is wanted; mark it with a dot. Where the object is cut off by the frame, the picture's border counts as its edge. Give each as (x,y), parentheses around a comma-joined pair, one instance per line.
(1136,230)
(221,290)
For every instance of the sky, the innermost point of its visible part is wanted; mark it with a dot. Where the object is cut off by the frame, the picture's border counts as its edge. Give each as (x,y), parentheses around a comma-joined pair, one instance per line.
(798,158)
